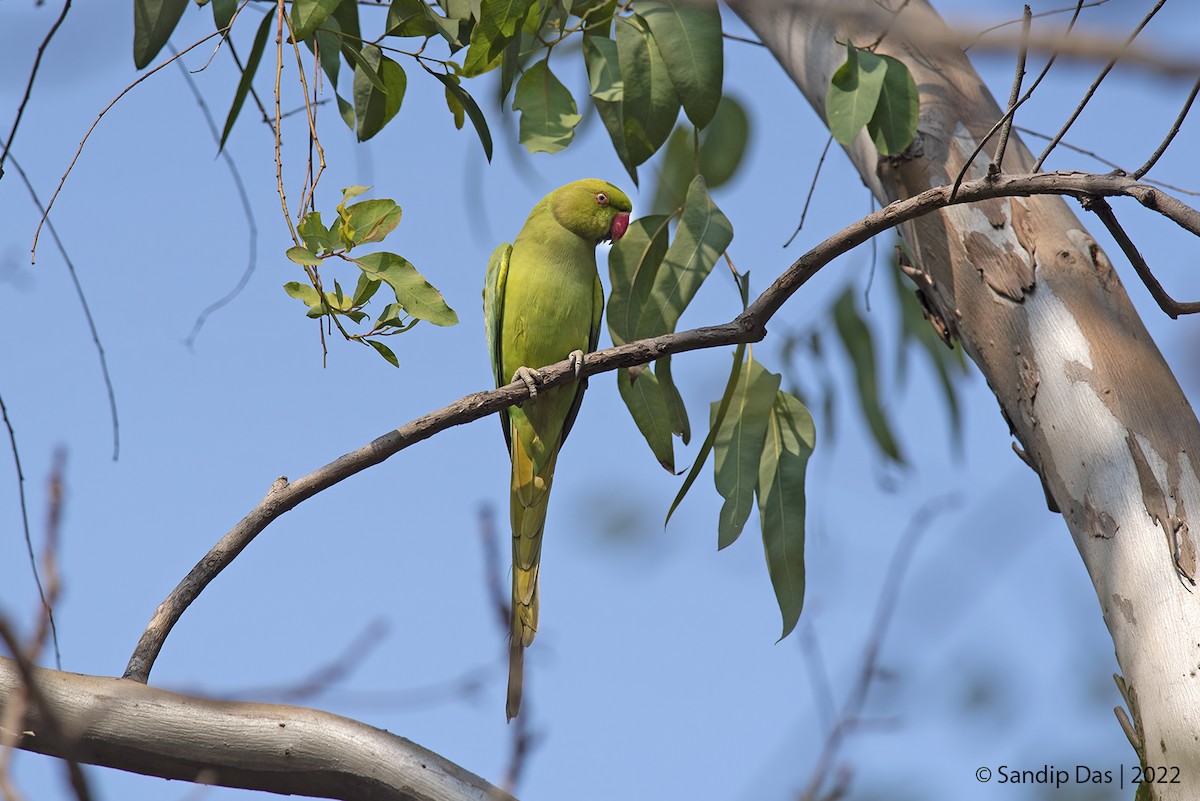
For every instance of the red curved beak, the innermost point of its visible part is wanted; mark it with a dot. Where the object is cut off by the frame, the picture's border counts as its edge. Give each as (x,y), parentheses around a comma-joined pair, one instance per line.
(620,225)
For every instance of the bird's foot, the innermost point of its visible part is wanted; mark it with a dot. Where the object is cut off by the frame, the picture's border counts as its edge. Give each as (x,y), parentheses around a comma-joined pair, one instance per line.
(530,378)
(575,357)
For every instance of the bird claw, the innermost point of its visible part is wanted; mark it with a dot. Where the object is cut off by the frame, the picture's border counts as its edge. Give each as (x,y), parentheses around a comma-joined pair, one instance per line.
(575,357)
(530,378)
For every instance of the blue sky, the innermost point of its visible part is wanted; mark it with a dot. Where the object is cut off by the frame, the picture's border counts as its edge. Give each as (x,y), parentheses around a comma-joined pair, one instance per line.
(656,672)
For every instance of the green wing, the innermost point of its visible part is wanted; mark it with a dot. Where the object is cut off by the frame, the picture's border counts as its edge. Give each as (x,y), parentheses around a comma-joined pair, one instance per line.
(493,318)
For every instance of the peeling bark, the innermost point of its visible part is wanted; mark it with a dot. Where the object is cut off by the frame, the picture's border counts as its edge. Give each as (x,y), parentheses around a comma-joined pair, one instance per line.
(1039,308)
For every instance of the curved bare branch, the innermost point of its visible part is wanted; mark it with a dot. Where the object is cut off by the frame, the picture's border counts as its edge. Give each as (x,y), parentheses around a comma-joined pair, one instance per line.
(750,326)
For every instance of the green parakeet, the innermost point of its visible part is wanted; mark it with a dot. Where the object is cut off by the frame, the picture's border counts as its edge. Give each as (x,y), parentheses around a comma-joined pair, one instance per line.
(542,303)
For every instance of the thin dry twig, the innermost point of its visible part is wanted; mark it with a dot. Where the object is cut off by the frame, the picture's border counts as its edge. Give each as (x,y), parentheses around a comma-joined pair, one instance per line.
(1014,95)
(83,304)
(37,63)
(243,197)
(850,715)
(1106,162)
(1012,110)
(1173,308)
(1166,142)
(1087,96)
(33,565)
(1076,8)
(95,122)
(811,188)
(748,327)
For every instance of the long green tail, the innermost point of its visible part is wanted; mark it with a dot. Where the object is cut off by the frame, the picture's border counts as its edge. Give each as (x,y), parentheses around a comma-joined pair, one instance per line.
(530,494)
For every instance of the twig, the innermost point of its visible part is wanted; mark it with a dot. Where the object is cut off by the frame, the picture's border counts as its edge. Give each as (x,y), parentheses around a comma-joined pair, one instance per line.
(743,39)
(247,210)
(37,62)
(33,566)
(1096,84)
(811,188)
(287,216)
(1076,8)
(1013,95)
(1106,162)
(1011,113)
(1172,307)
(885,607)
(95,122)
(83,303)
(1166,142)
(888,29)
(749,326)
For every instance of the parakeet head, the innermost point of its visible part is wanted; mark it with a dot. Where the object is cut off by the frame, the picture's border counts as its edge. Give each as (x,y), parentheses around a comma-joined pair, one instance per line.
(592,209)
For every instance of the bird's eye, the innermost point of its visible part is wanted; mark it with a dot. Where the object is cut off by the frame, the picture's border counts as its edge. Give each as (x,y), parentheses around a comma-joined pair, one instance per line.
(601,199)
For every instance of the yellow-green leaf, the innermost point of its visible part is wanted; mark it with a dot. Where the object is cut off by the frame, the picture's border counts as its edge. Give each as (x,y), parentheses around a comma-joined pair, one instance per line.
(789,442)
(608,92)
(854,93)
(413,293)
(303,256)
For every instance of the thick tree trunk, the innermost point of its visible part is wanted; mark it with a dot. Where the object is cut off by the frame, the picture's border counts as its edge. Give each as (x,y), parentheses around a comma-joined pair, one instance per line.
(1037,305)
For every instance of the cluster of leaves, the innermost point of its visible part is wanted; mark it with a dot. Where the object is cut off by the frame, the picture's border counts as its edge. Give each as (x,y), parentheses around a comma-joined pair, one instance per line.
(857,344)
(358,224)
(876,92)
(759,435)
(643,66)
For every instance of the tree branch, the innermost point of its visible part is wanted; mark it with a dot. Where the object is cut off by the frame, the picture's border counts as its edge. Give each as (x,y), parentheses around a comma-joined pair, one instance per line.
(750,326)
(281,749)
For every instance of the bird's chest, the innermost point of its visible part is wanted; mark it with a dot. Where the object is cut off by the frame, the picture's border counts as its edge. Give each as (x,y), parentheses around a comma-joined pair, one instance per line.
(548,310)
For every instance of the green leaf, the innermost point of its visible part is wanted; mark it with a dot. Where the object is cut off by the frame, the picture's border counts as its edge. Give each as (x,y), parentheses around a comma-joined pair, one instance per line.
(373,107)
(894,123)
(703,235)
(722,408)
(722,146)
(649,105)
(407,18)
(304,293)
(223,11)
(153,23)
(384,351)
(548,112)
(416,295)
(365,289)
(642,394)
(688,34)
(314,233)
(608,91)
(497,27)
(633,263)
(789,442)
(680,426)
(738,447)
(369,221)
(856,338)
(303,256)
(468,104)
(243,87)
(723,142)
(854,93)
(307,16)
